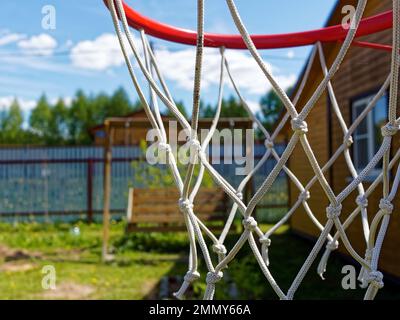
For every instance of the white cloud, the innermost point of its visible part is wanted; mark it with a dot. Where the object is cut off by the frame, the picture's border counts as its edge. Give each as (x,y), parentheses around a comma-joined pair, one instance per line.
(178,66)
(104,53)
(67,101)
(28,104)
(42,44)
(36,63)
(254,106)
(290,54)
(100,54)
(25,104)
(33,49)
(11,38)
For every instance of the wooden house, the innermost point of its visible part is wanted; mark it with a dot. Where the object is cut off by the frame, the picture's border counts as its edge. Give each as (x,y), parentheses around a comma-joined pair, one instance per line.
(360,76)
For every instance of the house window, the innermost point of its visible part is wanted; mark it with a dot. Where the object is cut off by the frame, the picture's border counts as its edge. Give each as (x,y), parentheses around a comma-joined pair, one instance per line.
(367,137)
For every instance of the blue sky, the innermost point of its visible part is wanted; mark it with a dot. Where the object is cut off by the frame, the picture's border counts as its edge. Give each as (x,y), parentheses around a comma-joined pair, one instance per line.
(82,52)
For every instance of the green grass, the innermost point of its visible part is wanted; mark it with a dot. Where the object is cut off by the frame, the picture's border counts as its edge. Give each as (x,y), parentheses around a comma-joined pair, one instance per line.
(76,258)
(143,259)
(287,254)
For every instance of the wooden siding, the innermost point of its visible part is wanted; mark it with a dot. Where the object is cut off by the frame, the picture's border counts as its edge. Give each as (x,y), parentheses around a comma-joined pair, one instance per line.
(363,71)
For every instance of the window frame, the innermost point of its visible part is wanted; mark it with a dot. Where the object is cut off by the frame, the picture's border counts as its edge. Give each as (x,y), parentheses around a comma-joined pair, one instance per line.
(364,100)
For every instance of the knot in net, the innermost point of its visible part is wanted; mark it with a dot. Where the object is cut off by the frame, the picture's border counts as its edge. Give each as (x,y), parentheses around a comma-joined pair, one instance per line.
(386,206)
(389,130)
(292,111)
(219,248)
(375,278)
(164,147)
(185,205)
(362,201)
(299,126)
(249,223)
(334,211)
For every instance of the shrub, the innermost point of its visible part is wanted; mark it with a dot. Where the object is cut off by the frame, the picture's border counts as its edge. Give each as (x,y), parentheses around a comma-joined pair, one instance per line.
(167,242)
(159,176)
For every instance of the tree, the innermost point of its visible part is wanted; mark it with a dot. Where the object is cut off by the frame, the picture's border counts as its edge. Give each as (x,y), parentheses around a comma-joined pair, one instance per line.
(101,106)
(119,104)
(40,118)
(58,126)
(11,124)
(181,108)
(81,117)
(230,107)
(206,110)
(271,107)
(137,105)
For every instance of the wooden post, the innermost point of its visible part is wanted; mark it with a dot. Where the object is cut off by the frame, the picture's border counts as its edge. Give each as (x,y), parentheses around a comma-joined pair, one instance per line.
(249,191)
(107,188)
(130,205)
(90,191)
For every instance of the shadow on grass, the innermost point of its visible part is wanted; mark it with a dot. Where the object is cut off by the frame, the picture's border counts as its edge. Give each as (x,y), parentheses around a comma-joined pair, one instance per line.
(243,278)
(151,265)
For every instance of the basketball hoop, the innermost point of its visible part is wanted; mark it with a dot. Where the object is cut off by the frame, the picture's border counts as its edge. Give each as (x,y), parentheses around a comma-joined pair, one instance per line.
(377,23)
(374,232)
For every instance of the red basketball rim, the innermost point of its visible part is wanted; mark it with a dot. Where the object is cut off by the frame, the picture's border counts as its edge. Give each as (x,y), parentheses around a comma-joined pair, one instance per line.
(167,32)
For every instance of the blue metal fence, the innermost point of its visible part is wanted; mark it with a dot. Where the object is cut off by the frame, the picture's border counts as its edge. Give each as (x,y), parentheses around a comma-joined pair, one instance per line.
(61,181)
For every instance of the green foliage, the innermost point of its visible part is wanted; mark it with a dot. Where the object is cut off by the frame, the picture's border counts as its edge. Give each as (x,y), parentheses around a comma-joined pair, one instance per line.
(132,275)
(11,124)
(271,107)
(49,124)
(118,105)
(141,260)
(41,117)
(181,108)
(81,118)
(230,107)
(59,124)
(88,111)
(47,236)
(171,242)
(287,254)
(159,176)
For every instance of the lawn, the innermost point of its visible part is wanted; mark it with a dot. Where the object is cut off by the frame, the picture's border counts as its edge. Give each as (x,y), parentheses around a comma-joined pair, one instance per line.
(142,260)
(26,248)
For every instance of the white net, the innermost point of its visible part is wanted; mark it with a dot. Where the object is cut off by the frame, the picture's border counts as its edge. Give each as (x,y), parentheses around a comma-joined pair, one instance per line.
(259,241)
